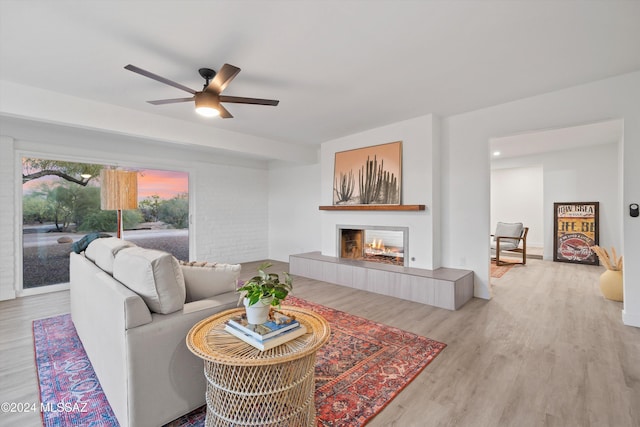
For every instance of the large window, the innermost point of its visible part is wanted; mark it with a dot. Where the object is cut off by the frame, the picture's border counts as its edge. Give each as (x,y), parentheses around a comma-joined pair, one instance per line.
(61,204)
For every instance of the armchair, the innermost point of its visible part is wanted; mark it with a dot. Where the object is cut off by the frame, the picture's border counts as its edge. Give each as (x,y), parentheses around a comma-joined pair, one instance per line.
(507,238)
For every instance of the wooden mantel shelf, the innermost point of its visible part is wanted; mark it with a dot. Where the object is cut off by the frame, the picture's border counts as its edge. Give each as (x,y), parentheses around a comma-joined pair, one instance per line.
(373,208)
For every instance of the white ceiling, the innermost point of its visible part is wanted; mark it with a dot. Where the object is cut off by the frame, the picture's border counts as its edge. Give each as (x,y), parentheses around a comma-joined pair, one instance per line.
(549,140)
(337,67)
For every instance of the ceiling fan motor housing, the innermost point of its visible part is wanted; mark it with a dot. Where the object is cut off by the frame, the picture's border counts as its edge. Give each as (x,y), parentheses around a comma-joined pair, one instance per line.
(208,74)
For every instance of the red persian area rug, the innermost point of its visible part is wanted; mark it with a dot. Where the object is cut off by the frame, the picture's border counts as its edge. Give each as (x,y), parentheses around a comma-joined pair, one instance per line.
(363,366)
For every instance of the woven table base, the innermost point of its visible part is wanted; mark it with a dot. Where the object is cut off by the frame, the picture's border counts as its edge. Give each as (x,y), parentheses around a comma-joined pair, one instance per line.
(267,395)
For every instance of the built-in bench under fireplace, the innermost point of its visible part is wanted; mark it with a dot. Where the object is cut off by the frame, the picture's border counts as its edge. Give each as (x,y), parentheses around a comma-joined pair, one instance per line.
(387,245)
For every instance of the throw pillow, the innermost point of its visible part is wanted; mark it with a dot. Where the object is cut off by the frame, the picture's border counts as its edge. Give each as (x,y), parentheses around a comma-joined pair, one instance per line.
(204,280)
(154,275)
(194,263)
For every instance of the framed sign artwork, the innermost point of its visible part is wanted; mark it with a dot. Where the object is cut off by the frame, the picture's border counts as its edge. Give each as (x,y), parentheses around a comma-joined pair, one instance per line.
(368,176)
(575,229)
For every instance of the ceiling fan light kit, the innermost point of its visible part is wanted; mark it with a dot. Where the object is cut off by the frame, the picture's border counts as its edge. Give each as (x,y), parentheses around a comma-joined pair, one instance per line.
(207,104)
(208,100)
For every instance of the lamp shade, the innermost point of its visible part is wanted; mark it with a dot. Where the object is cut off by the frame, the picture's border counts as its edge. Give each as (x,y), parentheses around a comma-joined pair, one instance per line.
(118,189)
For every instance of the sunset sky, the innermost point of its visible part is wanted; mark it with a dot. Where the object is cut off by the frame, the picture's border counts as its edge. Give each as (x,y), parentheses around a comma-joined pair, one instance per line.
(166,184)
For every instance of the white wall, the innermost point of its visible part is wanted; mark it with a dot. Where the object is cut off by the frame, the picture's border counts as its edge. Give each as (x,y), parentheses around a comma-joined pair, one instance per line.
(517,196)
(588,174)
(294,218)
(420,177)
(229,202)
(466,170)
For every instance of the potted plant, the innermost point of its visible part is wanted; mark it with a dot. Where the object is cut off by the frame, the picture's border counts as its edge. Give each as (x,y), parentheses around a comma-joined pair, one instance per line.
(611,279)
(263,291)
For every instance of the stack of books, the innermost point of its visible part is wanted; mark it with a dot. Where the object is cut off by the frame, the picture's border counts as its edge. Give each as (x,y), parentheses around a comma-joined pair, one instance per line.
(279,329)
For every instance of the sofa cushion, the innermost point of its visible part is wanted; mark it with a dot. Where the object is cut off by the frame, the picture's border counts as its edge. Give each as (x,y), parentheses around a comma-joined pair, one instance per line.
(154,275)
(205,280)
(103,251)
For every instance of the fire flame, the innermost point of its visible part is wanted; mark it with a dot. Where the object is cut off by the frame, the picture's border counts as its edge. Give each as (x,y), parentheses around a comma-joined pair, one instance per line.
(377,244)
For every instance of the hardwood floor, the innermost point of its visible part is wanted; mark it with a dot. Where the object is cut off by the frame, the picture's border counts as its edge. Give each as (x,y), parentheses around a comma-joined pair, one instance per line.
(547,350)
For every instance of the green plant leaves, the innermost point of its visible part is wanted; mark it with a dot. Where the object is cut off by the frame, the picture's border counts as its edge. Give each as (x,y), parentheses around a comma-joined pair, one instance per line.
(266,285)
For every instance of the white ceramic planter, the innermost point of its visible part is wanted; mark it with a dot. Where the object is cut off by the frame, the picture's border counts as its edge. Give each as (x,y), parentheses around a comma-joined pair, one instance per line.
(258,313)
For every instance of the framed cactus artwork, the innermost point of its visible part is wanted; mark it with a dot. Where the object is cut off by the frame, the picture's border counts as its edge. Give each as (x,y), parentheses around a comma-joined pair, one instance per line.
(368,176)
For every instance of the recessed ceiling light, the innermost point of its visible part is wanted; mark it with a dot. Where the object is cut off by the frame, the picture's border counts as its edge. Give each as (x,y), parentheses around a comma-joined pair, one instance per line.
(496,153)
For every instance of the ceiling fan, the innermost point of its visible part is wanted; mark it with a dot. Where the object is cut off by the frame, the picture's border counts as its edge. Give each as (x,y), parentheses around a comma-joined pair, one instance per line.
(209,98)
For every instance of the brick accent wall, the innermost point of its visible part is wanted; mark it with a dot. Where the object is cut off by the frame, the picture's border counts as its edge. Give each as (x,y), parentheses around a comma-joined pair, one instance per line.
(231,214)
(8,222)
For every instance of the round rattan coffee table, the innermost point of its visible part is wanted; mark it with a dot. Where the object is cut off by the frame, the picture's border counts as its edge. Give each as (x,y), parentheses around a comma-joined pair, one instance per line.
(249,387)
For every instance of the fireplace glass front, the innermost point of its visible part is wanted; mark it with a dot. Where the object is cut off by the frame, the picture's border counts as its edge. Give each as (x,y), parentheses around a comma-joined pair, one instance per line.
(373,245)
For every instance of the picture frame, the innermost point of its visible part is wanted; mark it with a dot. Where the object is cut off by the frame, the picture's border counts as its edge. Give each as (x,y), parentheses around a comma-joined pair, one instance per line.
(369,175)
(575,229)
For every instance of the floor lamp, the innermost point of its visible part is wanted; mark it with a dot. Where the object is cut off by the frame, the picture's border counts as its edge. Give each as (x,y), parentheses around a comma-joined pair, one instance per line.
(118,191)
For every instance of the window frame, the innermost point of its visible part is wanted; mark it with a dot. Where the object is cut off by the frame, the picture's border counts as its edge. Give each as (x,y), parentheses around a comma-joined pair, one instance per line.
(19,289)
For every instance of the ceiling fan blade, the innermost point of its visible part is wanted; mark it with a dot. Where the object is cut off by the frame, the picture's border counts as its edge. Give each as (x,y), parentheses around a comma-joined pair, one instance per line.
(158,78)
(223,78)
(241,100)
(170,101)
(224,113)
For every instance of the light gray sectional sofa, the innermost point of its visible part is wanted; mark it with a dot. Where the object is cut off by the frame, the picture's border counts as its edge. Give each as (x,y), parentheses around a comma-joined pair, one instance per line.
(132,308)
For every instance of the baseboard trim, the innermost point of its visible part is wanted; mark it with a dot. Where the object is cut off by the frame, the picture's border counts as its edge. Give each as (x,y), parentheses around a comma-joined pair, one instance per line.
(7,295)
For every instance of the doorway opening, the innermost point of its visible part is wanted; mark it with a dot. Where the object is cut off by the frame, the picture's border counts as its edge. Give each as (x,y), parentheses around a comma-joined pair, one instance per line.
(575,163)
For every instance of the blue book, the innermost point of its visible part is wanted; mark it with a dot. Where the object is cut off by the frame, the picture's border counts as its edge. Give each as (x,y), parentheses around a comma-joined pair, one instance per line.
(277,325)
(270,343)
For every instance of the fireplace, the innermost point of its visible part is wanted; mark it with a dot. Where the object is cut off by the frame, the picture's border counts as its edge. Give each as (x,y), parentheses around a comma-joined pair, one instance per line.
(387,245)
